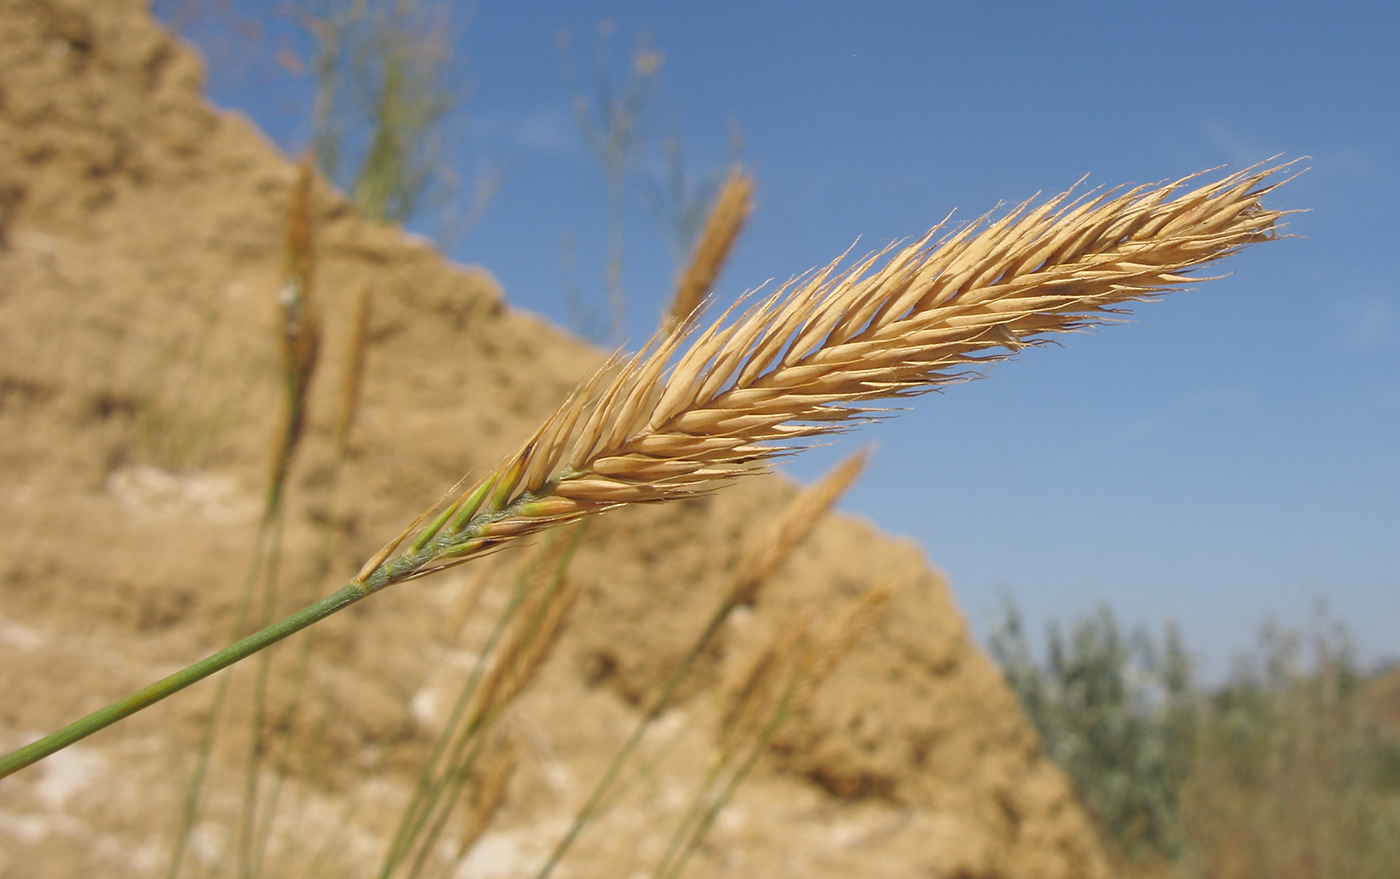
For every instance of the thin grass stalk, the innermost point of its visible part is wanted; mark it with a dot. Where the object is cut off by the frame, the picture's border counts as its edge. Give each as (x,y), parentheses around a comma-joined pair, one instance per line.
(775,661)
(706,818)
(805,363)
(426,834)
(424,786)
(600,790)
(688,820)
(463,699)
(300,337)
(643,771)
(190,808)
(760,560)
(256,741)
(803,665)
(147,696)
(488,799)
(351,382)
(491,692)
(519,663)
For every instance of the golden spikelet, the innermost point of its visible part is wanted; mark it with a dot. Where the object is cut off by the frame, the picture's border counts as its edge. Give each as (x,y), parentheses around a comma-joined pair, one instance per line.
(791,526)
(696,409)
(726,220)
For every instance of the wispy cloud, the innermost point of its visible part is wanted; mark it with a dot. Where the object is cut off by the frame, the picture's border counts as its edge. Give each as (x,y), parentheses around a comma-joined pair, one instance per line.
(541,129)
(1375,322)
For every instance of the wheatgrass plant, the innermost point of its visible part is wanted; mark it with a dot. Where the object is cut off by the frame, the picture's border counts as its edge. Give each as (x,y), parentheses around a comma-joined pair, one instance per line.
(348,402)
(300,332)
(526,632)
(759,560)
(777,682)
(698,408)
(459,752)
(299,335)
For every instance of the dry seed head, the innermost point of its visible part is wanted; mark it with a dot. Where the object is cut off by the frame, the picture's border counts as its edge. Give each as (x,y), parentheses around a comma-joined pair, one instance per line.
(300,330)
(857,618)
(352,377)
(726,220)
(490,792)
(300,322)
(535,629)
(698,408)
(759,691)
(791,527)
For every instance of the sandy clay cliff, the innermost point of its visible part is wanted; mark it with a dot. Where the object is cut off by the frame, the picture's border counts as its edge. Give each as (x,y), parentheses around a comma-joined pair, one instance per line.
(140,246)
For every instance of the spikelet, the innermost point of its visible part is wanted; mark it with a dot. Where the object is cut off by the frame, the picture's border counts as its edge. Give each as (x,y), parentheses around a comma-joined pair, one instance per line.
(726,220)
(698,408)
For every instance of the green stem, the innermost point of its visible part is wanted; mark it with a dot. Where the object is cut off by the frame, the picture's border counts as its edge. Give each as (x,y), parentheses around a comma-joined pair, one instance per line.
(412,815)
(257,743)
(289,721)
(148,696)
(692,814)
(216,708)
(458,784)
(426,800)
(711,812)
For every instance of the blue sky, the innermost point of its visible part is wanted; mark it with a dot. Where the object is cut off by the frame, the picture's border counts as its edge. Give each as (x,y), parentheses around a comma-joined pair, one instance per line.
(1233,453)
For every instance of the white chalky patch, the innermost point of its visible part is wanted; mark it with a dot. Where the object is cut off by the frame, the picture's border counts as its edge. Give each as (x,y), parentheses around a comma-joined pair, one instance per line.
(65,773)
(426,708)
(20,637)
(27,828)
(150,491)
(510,853)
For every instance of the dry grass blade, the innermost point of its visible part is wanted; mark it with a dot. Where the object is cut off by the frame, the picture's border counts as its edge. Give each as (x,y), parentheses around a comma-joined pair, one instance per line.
(722,228)
(698,408)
